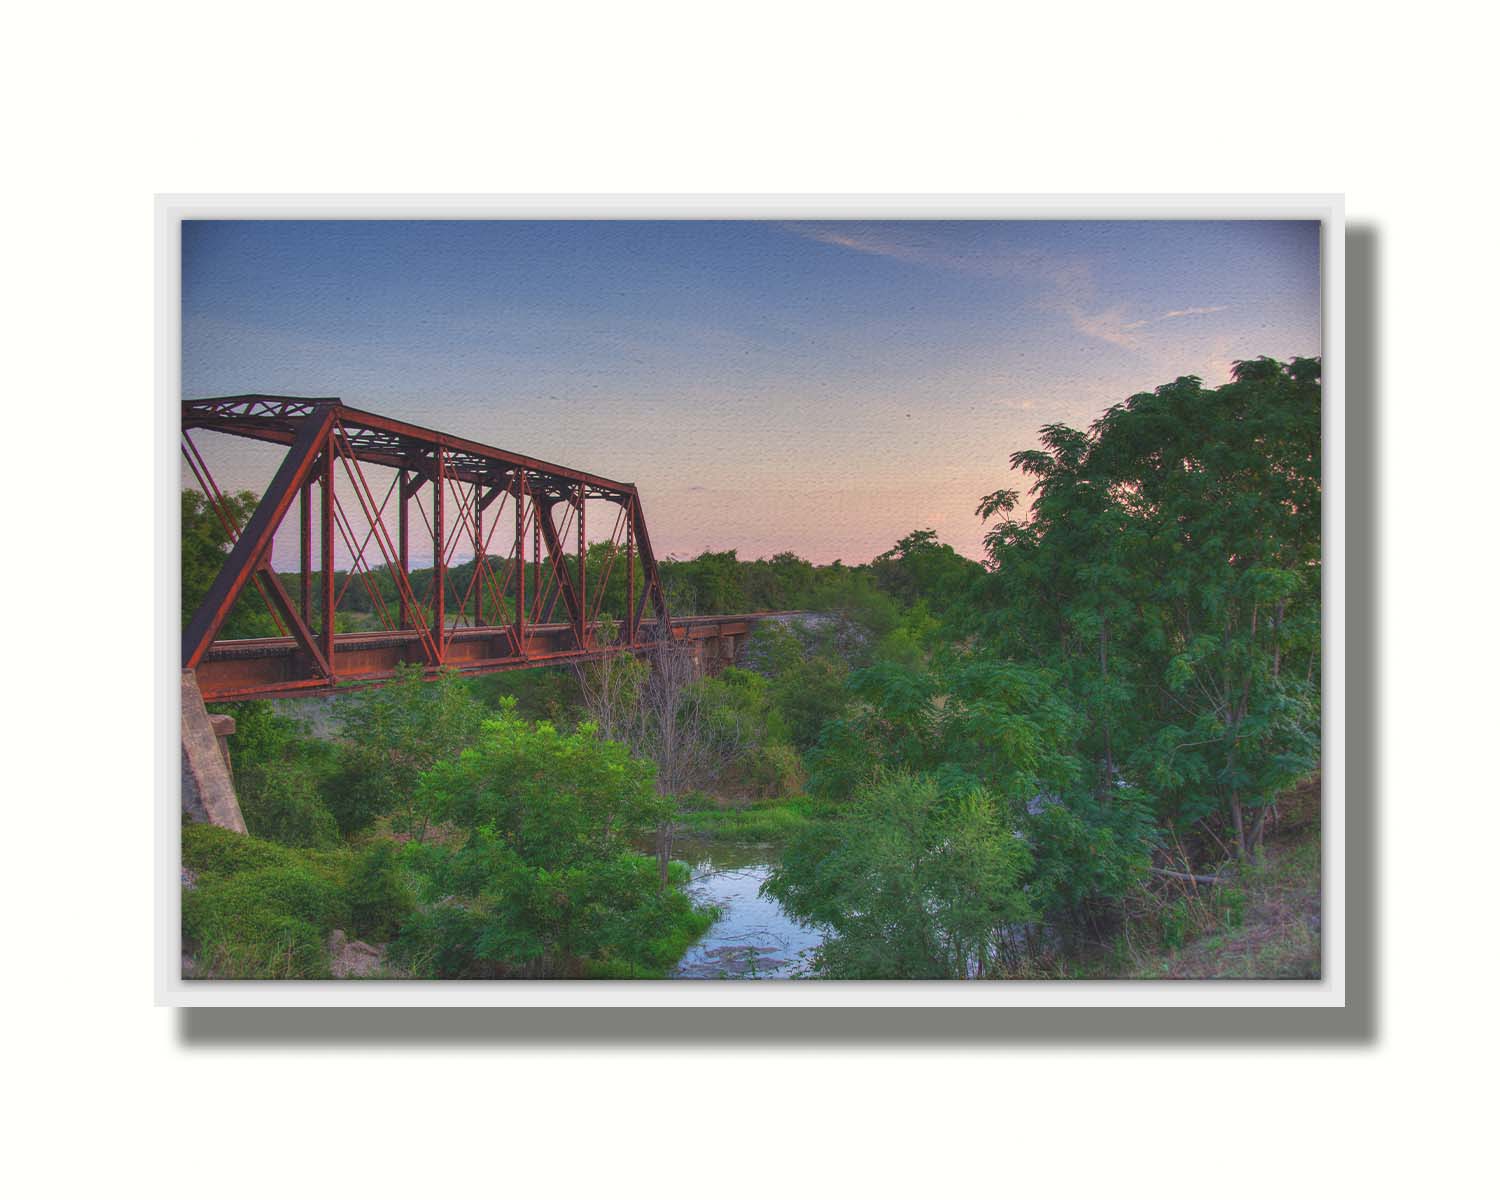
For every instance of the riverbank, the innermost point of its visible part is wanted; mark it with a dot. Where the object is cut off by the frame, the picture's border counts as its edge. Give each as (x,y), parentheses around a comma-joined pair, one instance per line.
(1259,922)
(775,820)
(1263,922)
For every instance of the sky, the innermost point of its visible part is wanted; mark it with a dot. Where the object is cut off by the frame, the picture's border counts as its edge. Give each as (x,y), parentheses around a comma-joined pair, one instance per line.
(820,387)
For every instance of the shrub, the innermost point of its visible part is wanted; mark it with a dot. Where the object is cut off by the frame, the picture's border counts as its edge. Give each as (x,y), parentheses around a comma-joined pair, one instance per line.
(391,735)
(1079,862)
(547,881)
(265,923)
(211,849)
(439,943)
(776,770)
(285,807)
(377,896)
(915,884)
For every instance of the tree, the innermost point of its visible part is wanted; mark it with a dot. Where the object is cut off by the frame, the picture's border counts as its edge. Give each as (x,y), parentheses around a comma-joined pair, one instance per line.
(545,879)
(390,735)
(205,545)
(1168,571)
(915,884)
(672,731)
(920,568)
(612,689)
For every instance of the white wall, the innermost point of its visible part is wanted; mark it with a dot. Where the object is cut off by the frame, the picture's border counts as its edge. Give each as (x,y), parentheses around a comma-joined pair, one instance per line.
(112,105)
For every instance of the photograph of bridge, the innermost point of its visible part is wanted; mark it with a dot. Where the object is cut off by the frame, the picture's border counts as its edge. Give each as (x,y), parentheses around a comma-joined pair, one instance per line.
(961,620)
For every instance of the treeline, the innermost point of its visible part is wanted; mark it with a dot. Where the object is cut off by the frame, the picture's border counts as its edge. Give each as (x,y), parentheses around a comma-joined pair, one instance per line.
(713,582)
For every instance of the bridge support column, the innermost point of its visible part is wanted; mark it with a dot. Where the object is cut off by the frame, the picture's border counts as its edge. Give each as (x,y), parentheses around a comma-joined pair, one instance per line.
(207,787)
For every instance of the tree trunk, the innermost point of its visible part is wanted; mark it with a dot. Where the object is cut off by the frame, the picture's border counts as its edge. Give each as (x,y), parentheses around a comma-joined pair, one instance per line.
(1239,825)
(1108,787)
(1209,880)
(1257,835)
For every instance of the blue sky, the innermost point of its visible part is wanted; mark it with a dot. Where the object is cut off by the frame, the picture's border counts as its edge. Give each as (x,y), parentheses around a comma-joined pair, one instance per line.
(823,387)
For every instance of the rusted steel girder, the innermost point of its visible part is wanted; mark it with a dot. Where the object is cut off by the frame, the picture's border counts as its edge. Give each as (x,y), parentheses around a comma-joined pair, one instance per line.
(260,668)
(329,445)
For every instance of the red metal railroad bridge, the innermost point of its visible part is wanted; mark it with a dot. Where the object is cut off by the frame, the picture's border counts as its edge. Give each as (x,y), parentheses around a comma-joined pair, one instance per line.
(356,479)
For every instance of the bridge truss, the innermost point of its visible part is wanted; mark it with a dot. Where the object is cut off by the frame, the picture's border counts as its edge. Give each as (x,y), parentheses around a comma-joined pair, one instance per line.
(379,489)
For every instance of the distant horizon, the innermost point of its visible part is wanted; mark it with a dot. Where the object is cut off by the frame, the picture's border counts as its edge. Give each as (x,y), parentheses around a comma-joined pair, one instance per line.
(820,388)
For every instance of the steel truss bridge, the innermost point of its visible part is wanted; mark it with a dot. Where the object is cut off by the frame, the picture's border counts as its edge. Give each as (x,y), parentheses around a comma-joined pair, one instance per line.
(531,598)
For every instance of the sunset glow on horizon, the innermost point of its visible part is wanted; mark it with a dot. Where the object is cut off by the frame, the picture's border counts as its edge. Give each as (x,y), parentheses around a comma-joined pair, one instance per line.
(819,387)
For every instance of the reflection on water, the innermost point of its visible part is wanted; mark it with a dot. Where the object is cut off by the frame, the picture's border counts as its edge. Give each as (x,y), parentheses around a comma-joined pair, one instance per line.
(754,938)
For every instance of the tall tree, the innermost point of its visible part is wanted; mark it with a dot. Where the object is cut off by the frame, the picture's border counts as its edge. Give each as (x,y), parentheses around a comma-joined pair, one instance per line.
(1169,569)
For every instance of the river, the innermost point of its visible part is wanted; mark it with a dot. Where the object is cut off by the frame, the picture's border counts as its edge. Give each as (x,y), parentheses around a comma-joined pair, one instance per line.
(754,937)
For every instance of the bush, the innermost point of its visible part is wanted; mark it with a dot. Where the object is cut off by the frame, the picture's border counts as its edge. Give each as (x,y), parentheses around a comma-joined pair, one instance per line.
(914,883)
(776,770)
(1079,862)
(547,881)
(264,911)
(270,922)
(285,807)
(439,943)
(210,849)
(391,735)
(377,896)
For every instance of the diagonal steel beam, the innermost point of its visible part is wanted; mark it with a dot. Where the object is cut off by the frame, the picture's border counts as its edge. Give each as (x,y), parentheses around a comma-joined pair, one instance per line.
(544,506)
(299,628)
(649,569)
(247,554)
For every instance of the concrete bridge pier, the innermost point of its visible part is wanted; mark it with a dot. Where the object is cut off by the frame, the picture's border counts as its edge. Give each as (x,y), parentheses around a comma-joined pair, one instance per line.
(207,785)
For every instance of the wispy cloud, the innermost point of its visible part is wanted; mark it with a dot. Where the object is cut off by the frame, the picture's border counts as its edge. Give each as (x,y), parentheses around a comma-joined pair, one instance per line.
(1066,287)
(916,244)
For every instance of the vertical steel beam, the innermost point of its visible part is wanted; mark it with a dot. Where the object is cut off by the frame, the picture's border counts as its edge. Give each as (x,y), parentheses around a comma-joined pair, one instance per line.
(439,562)
(404,490)
(519,486)
(649,570)
(305,545)
(583,572)
(477,585)
(326,513)
(629,574)
(536,556)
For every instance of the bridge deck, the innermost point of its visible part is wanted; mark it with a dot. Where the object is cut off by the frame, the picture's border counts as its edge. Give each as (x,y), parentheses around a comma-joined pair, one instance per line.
(260,668)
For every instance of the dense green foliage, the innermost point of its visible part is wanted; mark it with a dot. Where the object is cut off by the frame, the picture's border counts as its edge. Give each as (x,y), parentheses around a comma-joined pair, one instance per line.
(543,866)
(915,884)
(1169,573)
(970,765)
(259,910)
(389,736)
(280,776)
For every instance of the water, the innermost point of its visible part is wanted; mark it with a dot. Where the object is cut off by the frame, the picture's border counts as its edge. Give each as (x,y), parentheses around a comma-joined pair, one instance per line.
(754,938)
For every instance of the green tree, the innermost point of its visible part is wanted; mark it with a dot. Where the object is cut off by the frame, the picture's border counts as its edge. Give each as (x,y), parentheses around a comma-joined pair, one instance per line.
(919,568)
(1169,572)
(915,884)
(205,544)
(389,736)
(545,879)
(280,775)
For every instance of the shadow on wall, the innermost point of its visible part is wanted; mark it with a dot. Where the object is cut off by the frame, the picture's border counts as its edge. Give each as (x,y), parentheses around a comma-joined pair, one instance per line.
(1356,1024)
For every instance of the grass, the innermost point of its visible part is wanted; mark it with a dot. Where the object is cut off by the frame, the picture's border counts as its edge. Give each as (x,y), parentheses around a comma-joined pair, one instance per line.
(1280,936)
(1267,924)
(259,910)
(761,821)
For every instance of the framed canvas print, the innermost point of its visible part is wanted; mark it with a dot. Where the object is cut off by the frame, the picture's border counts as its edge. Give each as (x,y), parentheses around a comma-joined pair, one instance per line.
(790,601)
